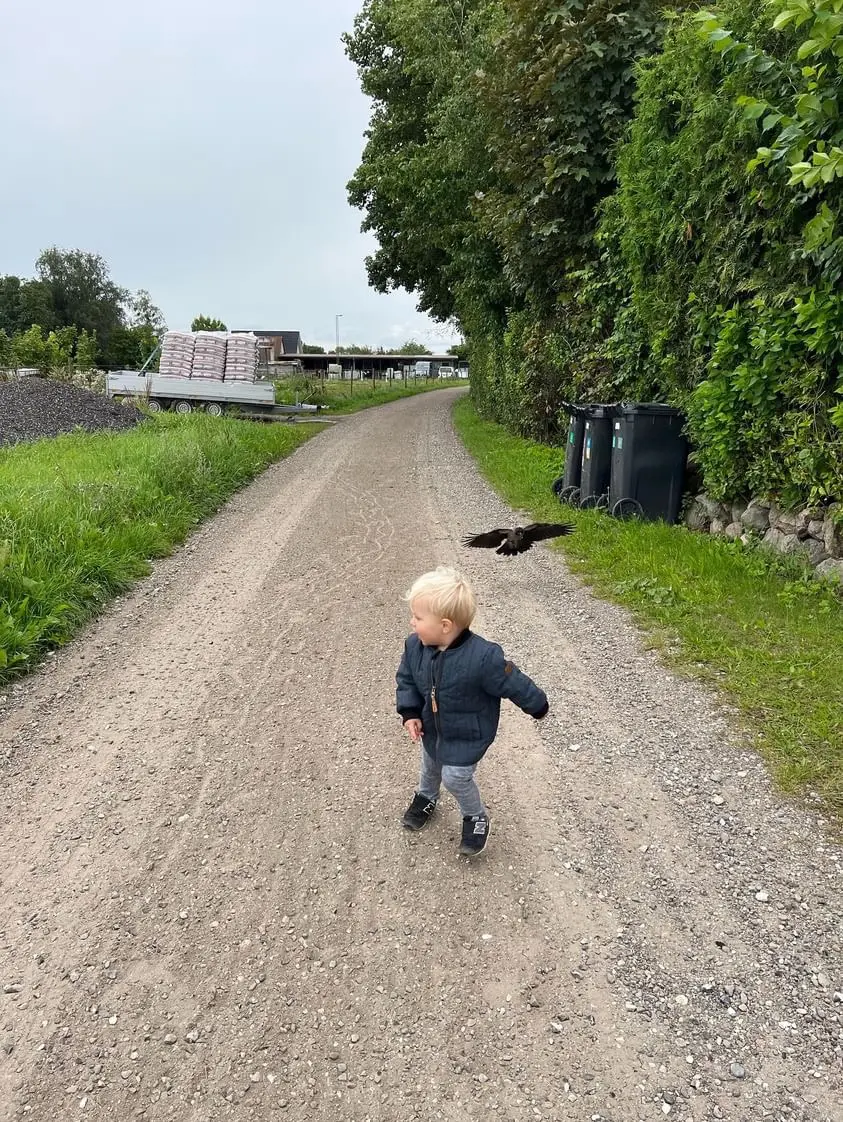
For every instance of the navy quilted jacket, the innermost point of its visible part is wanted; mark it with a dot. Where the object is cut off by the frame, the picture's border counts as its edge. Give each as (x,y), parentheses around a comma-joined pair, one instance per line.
(456,693)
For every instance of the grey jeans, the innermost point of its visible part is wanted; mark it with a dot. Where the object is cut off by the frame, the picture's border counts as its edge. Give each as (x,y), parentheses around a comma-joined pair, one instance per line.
(458,780)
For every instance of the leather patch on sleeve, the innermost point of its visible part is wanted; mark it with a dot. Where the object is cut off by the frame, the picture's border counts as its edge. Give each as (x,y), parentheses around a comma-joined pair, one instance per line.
(508,668)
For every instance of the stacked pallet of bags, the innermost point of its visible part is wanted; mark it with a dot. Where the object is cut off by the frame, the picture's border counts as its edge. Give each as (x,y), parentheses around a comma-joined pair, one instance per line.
(177,354)
(241,357)
(209,355)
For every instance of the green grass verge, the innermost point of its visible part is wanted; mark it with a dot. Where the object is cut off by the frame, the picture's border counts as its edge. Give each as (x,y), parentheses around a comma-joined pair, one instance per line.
(349,397)
(761,628)
(82,515)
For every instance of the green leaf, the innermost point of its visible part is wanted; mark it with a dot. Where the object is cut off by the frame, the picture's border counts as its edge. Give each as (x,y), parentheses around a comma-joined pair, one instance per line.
(753,108)
(808,103)
(809,47)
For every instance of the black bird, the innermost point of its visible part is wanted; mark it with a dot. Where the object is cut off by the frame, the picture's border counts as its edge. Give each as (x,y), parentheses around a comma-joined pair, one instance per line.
(510,542)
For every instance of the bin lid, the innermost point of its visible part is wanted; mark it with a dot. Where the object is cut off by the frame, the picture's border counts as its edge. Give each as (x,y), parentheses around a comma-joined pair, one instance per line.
(599,411)
(651,408)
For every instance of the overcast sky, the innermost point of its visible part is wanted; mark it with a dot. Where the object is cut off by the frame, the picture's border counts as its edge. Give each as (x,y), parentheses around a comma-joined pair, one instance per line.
(202,148)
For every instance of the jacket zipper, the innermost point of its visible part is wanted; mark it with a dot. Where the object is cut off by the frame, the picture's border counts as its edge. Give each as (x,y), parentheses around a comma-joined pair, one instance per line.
(434,705)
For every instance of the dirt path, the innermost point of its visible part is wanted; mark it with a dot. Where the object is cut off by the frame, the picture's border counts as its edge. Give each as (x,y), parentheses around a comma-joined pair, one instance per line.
(210,911)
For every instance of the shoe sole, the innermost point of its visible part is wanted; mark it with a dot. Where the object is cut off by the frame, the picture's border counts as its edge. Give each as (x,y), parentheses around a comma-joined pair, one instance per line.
(416,829)
(413,828)
(477,852)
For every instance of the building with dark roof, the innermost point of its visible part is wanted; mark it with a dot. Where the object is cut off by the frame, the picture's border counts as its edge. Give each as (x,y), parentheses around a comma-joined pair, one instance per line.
(277,343)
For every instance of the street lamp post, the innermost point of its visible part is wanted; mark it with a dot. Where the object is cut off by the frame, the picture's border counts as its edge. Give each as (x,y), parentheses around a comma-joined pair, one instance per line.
(337,319)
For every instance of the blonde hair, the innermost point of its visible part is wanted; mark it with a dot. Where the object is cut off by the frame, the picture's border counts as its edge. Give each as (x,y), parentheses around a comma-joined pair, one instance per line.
(448,595)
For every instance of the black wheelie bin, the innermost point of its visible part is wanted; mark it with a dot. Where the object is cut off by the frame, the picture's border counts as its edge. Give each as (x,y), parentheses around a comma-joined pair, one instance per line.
(596,455)
(649,456)
(567,486)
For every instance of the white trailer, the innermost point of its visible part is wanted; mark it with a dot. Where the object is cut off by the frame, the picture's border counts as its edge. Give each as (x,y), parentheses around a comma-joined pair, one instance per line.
(183,395)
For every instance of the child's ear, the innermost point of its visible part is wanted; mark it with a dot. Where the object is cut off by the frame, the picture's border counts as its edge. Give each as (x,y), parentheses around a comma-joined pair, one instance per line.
(447,624)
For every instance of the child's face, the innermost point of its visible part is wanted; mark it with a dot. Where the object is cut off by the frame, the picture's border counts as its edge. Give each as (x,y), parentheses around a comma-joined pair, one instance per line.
(431,629)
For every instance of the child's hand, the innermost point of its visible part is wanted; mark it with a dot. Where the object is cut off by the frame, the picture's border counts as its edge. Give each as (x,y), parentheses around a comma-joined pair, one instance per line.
(414,728)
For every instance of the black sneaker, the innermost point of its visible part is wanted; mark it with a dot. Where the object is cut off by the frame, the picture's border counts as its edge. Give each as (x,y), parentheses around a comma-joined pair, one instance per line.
(475,833)
(418,813)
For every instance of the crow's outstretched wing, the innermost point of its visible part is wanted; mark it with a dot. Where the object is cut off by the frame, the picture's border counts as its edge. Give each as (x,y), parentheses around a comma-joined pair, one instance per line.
(539,531)
(489,540)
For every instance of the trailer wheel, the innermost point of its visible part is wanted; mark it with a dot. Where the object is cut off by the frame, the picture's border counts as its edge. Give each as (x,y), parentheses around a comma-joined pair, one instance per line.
(183,407)
(154,405)
(214,408)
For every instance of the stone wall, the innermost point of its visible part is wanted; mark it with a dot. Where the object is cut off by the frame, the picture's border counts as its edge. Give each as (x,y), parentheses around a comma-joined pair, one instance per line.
(814,535)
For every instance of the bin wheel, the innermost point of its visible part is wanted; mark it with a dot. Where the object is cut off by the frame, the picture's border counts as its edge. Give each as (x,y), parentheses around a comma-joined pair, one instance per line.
(557,485)
(627,508)
(183,407)
(214,408)
(154,405)
(603,502)
(594,502)
(567,495)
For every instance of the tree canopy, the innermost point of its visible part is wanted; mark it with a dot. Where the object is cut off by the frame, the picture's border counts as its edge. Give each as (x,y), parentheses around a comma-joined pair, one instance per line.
(73,311)
(207,323)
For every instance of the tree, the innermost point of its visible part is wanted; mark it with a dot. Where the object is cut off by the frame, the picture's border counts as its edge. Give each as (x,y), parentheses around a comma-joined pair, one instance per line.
(6,353)
(24,302)
(30,350)
(207,323)
(356,349)
(312,349)
(81,291)
(9,304)
(86,351)
(411,347)
(60,347)
(36,306)
(129,347)
(425,162)
(143,313)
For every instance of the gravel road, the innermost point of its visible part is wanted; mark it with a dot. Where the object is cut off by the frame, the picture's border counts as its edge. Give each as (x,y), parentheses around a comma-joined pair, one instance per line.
(210,911)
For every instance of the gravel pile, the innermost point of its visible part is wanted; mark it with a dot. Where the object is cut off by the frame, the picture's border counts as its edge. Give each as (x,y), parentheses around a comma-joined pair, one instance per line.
(32,408)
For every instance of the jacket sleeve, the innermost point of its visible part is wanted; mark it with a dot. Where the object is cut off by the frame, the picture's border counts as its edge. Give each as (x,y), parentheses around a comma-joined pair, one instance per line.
(408,701)
(502,678)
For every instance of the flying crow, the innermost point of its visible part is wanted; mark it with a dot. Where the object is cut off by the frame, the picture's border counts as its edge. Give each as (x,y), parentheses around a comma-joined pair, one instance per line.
(509,542)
